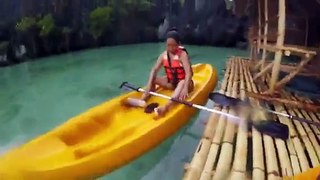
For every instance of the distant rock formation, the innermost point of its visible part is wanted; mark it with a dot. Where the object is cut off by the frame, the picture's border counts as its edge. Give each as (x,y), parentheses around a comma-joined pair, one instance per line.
(200,22)
(204,22)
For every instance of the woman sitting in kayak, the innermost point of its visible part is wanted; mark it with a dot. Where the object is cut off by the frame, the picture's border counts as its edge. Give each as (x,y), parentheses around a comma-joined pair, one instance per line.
(178,70)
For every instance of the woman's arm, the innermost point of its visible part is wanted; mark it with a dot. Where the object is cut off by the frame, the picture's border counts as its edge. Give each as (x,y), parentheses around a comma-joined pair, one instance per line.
(154,71)
(187,67)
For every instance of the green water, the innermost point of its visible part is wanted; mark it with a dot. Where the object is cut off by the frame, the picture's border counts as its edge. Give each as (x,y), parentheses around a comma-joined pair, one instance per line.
(37,96)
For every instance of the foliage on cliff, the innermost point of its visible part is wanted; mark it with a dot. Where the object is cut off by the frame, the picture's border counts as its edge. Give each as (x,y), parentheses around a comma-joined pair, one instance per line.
(100,21)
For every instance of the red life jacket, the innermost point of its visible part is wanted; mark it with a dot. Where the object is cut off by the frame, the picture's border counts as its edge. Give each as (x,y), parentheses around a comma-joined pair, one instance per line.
(173,67)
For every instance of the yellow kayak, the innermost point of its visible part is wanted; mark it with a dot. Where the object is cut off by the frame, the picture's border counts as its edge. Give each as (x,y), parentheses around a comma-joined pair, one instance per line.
(104,138)
(313,173)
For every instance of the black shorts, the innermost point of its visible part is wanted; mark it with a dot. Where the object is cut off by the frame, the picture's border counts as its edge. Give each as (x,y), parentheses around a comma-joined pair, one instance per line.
(174,83)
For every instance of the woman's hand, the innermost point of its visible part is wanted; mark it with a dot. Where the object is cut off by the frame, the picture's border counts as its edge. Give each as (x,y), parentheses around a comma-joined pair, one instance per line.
(183,94)
(146,93)
(148,89)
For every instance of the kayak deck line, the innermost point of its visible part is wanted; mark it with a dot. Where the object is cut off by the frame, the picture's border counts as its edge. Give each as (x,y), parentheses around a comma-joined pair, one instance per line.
(236,151)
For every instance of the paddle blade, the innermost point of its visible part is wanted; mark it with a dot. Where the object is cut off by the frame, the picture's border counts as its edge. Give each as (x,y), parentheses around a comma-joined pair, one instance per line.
(150,108)
(129,87)
(272,128)
(224,100)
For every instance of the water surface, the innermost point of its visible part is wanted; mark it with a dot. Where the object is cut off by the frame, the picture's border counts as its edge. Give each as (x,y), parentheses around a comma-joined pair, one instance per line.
(37,96)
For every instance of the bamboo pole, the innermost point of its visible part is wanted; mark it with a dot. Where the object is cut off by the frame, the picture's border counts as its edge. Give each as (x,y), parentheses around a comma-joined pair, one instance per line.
(258,65)
(259,26)
(265,34)
(280,41)
(195,168)
(225,158)
(216,140)
(213,147)
(303,72)
(255,52)
(304,138)
(211,125)
(312,116)
(291,49)
(288,78)
(270,151)
(307,32)
(284,159)
(258,171)
(291,145)
(251,52)
(263,71)
(314,149)
(242,57)
(288,102)
(241,151)
(281,147)
(293,157)
(297,145)
(201,156)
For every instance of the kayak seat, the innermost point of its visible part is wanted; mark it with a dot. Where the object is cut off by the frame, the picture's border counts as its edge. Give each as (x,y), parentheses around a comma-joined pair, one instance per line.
(84,130)
(103,143)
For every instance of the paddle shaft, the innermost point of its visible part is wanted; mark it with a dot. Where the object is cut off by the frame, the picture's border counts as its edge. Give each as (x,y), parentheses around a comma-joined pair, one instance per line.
(189,104)
(277,129)
(293,117)
(211,96)
(139,89)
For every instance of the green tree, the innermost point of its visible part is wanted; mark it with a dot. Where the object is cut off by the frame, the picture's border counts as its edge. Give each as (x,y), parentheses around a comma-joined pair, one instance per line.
(126,7)
(25,24)
(133,14)
(27,27)
(47,26)
(142,5)
(100,21)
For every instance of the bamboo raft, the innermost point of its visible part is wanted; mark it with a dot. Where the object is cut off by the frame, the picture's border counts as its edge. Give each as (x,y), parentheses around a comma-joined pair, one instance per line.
(235,151)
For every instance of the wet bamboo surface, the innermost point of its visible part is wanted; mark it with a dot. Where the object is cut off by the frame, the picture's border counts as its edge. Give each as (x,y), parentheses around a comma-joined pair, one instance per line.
(229,150)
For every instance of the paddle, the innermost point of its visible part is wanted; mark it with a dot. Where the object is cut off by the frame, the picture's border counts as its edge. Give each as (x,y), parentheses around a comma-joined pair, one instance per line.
(230,101)
(272,128)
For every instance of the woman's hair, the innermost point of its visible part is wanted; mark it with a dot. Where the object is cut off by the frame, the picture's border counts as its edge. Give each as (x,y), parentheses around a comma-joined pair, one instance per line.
(173,33)
(174,29)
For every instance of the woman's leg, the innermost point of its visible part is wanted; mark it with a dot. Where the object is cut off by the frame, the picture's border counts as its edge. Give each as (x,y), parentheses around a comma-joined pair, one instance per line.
(191,86)
(160,81)
(162,110)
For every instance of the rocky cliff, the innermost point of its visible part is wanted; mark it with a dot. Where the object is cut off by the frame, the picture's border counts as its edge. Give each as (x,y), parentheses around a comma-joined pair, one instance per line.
(56,26)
